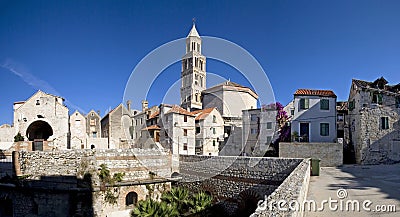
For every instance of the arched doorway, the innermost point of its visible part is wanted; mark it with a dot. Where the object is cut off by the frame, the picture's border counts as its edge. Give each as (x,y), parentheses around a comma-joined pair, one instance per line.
(131,199)
(38,132)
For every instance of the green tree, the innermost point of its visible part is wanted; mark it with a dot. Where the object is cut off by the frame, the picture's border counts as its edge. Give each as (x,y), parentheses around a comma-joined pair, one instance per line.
(18,137)
(152,208)
(179,197)
(200,202)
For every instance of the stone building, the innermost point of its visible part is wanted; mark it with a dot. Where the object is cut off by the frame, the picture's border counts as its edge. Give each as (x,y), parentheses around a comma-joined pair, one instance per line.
(177,132)
(193,74)
(230,99)
(78,130)
(146,132)
(314,118)
(116,127)
(43,121)
(374,109)
(259,129)
(209,126)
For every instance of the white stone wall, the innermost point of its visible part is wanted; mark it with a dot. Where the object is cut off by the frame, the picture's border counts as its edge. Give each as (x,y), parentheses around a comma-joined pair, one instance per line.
(330,154)
(78,130)
(372,144)
(7,134)
(50,110)
(177,127)
(207,139)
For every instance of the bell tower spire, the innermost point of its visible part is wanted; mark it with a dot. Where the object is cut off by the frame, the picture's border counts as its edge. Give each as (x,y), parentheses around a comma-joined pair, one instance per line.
(193,74)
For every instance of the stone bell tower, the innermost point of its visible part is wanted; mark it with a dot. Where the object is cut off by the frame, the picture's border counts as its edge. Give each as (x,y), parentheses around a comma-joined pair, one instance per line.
(193,74)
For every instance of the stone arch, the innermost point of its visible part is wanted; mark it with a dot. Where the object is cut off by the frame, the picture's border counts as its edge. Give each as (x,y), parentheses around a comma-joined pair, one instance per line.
(247,202)
(131,199)
(39,130)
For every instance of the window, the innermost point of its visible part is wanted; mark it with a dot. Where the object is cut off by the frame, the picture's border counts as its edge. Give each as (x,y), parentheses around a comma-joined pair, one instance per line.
(253,117)
(198,47)
(92,122)
(185,132)
(197,130)
(131,198)
(214,131)
(214,119)
(398,102)
(324,104)
(198,143)
(185,146)
(304,103)
(253,131)
(384,123)
(213,142)
(92,114)
(351,105)
(269,139)
(92,146)
(269,125)
(292,112)
(340,117)
(185,118)
(94,134)
(324,129)
(377,98)
(37,102)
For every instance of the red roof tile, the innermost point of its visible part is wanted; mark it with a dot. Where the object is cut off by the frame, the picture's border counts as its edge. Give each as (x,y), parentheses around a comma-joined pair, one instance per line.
(179,110)
(308,92)
(152,127)
(155,114)
(202,114)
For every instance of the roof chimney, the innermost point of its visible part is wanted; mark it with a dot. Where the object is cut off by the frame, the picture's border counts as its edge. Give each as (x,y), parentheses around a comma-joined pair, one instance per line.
(128,105)
(145,105)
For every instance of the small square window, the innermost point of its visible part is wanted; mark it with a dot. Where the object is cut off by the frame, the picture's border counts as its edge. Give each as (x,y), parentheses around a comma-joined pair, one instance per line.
(269,125)
(324,104)
(377,98)
(185,147)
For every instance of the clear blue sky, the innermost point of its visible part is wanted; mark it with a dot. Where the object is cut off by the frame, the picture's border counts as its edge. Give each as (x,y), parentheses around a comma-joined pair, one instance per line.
(86,50)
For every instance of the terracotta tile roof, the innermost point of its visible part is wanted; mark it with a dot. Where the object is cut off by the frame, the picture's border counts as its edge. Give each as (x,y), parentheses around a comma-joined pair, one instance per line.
(308,92)
(202,114)
(179,110)
(154,114)
(152,127)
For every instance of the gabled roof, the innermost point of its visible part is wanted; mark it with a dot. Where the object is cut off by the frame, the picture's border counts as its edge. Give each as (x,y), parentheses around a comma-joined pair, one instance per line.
(202,114)
(309,92)
(152,127)
(154,114)
(179,110)
(380,83)
(193,32)
(92,111)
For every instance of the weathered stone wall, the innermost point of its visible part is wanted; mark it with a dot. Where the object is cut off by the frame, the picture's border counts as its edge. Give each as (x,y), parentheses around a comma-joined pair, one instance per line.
(135,163)
(64,174)
(293,188)
(330,154)
(235,180)
(374,144)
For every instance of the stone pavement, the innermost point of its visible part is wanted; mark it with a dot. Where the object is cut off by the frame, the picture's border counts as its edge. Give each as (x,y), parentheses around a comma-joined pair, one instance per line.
(378,183)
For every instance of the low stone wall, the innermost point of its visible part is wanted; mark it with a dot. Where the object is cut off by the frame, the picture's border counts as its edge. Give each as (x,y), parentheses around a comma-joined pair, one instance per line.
(135,163)
(234,181)
(331,154)
(293,188)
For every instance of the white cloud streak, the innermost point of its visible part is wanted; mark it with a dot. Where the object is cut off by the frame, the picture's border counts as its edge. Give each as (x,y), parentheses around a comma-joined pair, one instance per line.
(36,83)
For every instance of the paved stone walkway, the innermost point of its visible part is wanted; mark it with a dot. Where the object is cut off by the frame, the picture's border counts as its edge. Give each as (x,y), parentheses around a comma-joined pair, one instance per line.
(379,183)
